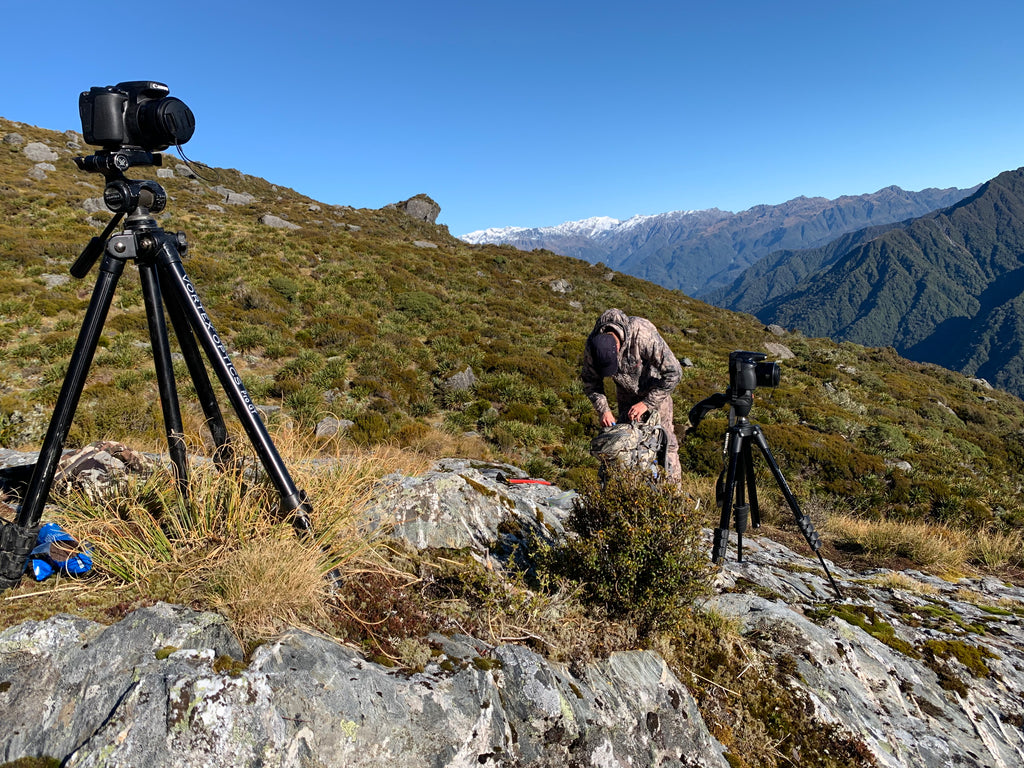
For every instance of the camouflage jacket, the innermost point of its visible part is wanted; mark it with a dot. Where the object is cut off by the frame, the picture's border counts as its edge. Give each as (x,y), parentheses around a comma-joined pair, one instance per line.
(648,370)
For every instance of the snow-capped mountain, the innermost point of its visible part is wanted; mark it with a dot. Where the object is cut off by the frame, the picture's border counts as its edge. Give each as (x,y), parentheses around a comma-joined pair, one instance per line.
(602,238)
(698,251)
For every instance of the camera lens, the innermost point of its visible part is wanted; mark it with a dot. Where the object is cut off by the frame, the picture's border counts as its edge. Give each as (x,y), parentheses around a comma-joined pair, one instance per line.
(163,122)
(767,374)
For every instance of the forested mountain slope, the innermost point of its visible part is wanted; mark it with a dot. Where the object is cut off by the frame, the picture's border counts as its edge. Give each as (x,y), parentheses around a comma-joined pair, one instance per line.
(944,288)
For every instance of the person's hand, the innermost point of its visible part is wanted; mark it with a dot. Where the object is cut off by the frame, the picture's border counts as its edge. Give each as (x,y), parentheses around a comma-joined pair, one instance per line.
(607,419)
(637,411)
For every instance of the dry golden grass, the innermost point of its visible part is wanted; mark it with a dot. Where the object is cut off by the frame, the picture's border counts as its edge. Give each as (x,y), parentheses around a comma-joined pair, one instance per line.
(930,546)
(901,581)
(998,549)
(265,585)
(227,548)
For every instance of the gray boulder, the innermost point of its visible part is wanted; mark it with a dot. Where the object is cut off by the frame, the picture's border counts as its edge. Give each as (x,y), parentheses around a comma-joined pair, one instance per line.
(468,505)
(38,152)
(95,205)
(419,207)
(330,426)
(65,677)
(778,351)
(39,170)
(230,197)
(270,220)
(461,381)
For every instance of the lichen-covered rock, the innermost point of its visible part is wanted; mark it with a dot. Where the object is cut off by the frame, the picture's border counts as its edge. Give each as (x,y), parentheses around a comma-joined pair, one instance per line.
(462,505)
(925,671)
(148,692)
(64,677)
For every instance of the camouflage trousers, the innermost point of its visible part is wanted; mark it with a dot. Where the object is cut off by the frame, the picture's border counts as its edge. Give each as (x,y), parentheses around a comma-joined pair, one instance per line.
(673,470)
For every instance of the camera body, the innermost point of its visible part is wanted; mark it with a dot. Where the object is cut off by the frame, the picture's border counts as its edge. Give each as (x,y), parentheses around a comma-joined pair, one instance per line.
(135,114)
(749,370)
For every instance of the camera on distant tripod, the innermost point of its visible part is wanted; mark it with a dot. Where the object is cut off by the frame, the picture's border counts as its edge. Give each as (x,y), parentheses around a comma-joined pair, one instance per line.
(749,370)
(137,114)
(736,488)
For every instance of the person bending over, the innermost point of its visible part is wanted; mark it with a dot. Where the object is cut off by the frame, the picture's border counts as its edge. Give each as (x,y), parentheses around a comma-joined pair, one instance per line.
(633,354)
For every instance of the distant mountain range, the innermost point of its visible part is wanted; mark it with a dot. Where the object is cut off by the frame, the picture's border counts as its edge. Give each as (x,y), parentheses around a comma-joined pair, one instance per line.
(946,288)
(699,251)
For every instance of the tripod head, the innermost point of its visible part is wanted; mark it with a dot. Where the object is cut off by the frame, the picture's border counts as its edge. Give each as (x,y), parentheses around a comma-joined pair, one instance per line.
(747,371)
(113,162)
(122,195)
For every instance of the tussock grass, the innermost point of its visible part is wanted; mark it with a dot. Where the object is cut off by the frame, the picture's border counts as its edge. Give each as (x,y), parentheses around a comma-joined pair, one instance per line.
(930,546)
(227,548)
(998,549)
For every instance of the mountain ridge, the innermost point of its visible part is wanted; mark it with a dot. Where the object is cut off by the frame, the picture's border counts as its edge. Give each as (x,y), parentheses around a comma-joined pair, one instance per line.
(946,288)
(697,251)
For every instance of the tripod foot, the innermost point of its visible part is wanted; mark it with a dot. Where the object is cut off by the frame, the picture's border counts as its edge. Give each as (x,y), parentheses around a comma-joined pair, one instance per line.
(16,543)
(720,545)
(297,508)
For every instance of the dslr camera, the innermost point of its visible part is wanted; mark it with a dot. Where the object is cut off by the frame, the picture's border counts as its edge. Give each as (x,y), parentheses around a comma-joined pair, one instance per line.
(136,115)
(749,370)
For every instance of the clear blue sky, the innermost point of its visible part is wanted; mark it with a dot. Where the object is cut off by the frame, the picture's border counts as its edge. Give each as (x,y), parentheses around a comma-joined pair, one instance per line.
(533,113)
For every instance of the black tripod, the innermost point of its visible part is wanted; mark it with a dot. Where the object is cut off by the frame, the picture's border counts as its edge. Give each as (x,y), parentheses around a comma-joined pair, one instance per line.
(737,484)
(157,255)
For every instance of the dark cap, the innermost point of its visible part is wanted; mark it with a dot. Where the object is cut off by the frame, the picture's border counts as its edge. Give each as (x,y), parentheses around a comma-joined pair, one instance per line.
(606,354)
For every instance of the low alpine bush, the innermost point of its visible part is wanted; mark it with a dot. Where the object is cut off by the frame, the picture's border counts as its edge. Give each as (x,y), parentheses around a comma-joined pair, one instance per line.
(636,553)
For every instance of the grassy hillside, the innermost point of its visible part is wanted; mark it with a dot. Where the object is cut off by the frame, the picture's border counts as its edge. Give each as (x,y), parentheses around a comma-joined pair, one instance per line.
(363,314)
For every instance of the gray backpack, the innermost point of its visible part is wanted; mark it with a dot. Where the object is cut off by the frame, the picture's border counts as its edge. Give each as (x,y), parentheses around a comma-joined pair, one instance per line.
(636,444)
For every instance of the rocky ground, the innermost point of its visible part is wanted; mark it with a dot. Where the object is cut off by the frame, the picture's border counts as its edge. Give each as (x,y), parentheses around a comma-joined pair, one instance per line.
(925,672)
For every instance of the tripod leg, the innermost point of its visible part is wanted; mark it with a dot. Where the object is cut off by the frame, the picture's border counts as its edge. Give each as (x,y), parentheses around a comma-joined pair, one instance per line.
(200,379)
(803,522)
(15,535)
(294,502)
(748,463)
(721,539)
(165,374)
(741,510)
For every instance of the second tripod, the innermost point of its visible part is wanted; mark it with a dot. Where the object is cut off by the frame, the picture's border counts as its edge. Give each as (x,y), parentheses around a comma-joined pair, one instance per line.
(737,488)
(737,494)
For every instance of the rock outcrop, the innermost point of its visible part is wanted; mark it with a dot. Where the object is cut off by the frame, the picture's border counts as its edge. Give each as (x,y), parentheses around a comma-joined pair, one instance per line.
(421,207)
(166,686)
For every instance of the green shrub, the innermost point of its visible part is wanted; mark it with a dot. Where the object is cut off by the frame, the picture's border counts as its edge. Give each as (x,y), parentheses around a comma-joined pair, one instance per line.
(638,551)
(418,304)
(370,428)
(285,286)
(887,440)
